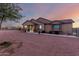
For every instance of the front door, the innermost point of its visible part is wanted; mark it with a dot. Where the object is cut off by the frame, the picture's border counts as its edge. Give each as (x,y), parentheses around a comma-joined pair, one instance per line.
(30,28)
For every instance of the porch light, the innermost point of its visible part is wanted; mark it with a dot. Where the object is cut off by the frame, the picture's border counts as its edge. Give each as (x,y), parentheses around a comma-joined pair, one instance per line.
(25,26)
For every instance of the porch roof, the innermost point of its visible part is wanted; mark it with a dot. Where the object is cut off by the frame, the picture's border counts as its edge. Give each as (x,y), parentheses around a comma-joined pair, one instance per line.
(32,21)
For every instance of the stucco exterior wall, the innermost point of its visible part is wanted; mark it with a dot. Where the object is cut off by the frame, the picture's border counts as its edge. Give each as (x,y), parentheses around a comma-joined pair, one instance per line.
(67,28)
(48,28)
(37,27)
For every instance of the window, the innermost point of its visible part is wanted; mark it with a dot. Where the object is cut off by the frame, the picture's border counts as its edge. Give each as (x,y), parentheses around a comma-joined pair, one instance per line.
(56,26)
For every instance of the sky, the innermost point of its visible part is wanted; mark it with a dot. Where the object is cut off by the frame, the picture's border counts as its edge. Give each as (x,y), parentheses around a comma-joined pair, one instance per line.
(51,11)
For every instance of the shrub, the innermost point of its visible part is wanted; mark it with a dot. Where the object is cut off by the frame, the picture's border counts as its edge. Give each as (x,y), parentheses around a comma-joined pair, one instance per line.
(50,32)
(5,44)
(43,32)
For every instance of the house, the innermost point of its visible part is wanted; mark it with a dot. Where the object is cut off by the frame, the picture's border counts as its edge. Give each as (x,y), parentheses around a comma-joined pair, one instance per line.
(48,26)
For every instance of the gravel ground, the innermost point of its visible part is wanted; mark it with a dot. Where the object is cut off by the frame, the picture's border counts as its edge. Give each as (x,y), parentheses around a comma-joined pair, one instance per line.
(41,45)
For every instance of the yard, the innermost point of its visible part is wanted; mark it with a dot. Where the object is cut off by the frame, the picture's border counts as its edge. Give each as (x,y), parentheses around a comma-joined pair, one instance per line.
(41,44)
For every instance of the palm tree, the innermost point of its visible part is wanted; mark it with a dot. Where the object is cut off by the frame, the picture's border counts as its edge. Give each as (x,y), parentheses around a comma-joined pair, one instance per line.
(9,11)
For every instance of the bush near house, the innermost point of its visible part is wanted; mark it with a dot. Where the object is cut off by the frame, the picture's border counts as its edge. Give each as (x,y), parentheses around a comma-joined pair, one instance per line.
(43,32)
(50,32)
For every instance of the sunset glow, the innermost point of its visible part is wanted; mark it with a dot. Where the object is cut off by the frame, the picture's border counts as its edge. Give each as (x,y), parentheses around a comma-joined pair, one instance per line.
(51,11)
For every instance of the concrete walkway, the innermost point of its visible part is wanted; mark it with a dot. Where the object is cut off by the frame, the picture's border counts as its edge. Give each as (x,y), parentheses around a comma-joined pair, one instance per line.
(55,35)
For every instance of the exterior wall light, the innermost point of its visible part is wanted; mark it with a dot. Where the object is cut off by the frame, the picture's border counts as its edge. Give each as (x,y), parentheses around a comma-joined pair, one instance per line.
(40,26)
(25,26)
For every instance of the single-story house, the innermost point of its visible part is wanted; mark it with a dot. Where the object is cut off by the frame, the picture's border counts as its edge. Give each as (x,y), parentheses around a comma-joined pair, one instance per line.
(48,26)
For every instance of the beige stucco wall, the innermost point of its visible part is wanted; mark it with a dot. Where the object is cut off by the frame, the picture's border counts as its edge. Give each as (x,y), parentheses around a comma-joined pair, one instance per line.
(37,27)
(48,28)
(67,28)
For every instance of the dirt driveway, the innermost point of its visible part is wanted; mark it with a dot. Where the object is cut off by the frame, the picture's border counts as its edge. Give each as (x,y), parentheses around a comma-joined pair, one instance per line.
(42,45)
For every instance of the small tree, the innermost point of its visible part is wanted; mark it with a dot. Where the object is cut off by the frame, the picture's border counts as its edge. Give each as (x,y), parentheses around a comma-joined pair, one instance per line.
(9,11)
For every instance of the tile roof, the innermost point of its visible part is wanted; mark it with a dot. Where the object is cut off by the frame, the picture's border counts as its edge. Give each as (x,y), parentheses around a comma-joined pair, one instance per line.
(35,21)
(64,21)
(41,20)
